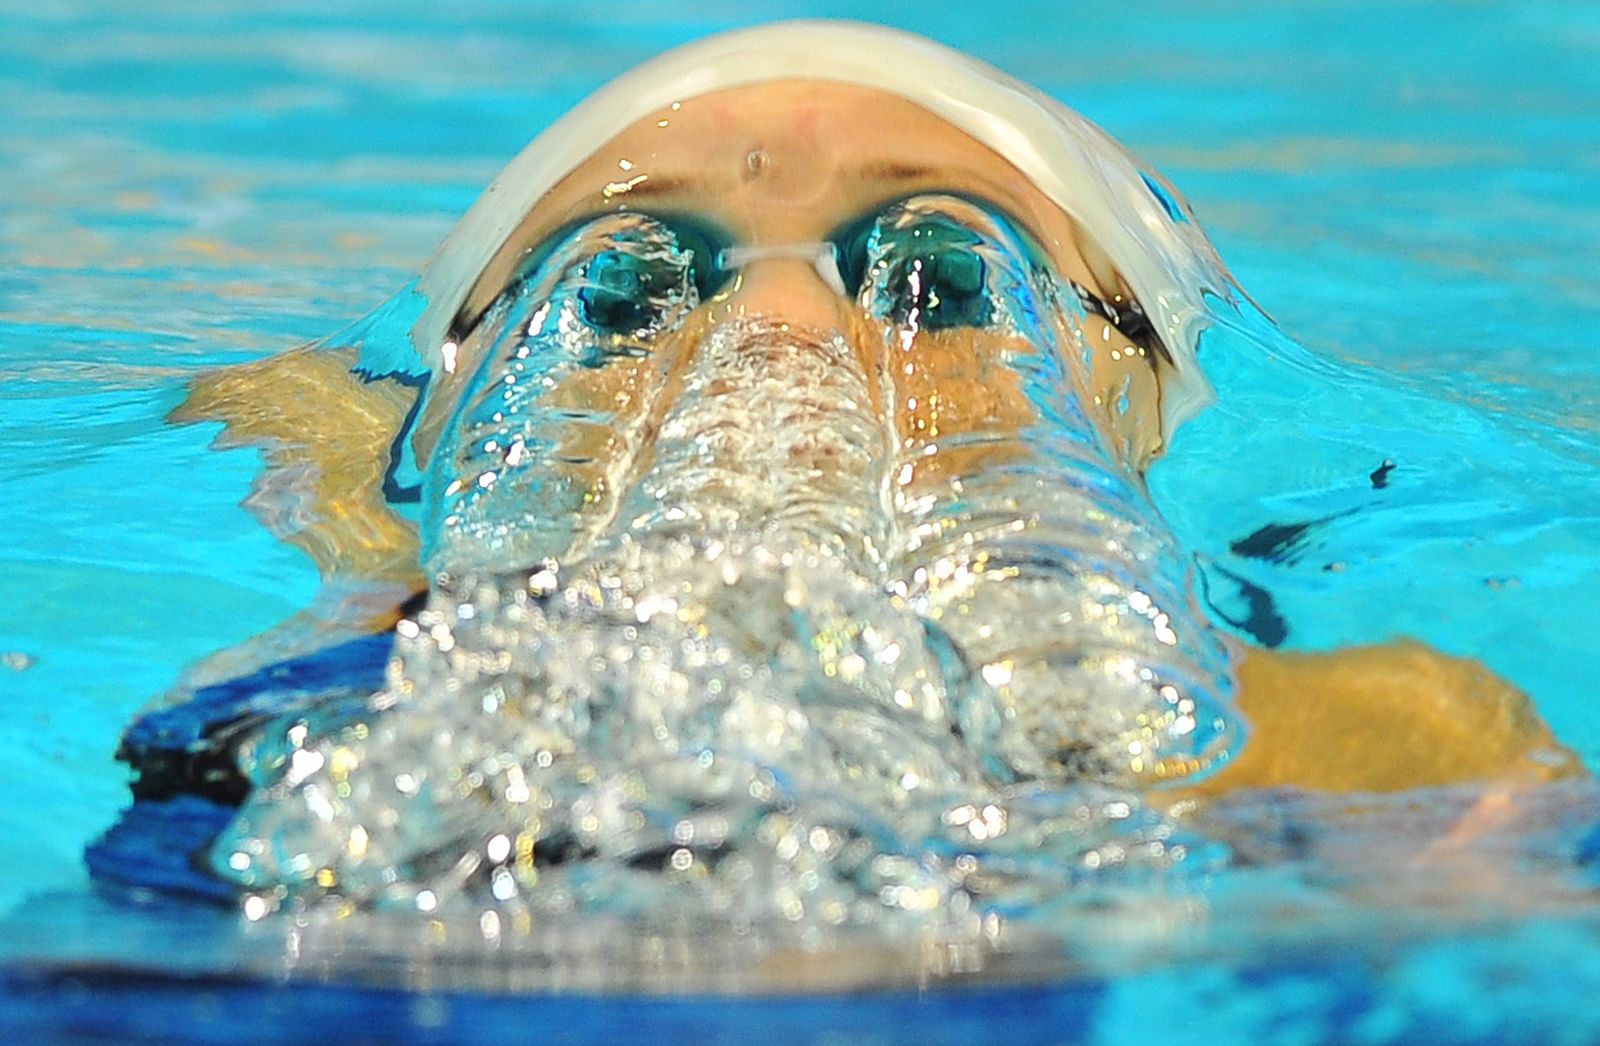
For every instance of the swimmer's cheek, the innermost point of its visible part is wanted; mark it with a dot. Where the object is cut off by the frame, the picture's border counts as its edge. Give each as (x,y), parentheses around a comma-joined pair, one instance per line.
(1383,719)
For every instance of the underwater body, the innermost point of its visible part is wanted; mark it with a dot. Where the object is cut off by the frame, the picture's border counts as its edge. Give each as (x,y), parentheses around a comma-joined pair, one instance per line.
(871,753)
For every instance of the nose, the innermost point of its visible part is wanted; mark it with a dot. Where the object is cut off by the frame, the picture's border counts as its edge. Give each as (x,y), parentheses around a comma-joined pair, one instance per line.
(787,290)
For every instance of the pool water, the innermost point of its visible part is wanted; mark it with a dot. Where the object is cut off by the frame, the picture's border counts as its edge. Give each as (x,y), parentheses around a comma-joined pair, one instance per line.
(1410,190)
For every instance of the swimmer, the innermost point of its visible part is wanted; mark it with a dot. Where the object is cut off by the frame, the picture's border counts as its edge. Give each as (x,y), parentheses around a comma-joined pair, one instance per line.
(835,293)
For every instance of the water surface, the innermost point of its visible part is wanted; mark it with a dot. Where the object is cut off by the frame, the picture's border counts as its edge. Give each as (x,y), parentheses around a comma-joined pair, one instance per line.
(1410,191)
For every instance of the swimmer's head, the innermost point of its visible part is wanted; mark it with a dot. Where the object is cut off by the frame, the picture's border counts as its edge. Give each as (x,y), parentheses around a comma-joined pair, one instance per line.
(1134,228)
(806,181)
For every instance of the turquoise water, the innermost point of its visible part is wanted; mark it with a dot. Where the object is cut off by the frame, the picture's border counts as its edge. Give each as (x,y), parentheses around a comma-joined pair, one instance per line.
(1411,190)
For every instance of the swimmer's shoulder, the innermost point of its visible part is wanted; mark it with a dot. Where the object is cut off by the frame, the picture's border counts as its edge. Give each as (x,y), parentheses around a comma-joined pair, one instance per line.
(1385,718)
(328,431)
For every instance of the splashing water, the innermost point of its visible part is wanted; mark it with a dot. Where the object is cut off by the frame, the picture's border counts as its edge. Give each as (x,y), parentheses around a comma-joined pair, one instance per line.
(753,630)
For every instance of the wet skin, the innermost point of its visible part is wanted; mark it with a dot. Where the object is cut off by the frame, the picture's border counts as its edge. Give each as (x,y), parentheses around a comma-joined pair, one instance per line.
(790,162)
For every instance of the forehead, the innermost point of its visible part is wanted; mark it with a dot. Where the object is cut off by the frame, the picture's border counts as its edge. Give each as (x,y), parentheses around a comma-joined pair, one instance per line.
(785,161)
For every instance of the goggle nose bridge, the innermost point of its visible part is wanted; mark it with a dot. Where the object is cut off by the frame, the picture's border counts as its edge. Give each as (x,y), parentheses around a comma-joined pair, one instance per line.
(822,254)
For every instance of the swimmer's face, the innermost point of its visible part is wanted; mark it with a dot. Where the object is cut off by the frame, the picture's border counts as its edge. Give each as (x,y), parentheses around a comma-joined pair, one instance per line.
(787,162)
(829,213)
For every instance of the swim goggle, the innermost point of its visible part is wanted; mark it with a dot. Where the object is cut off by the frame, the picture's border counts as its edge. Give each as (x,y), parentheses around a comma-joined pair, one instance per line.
(933,253)
(823,256)
(939,248)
